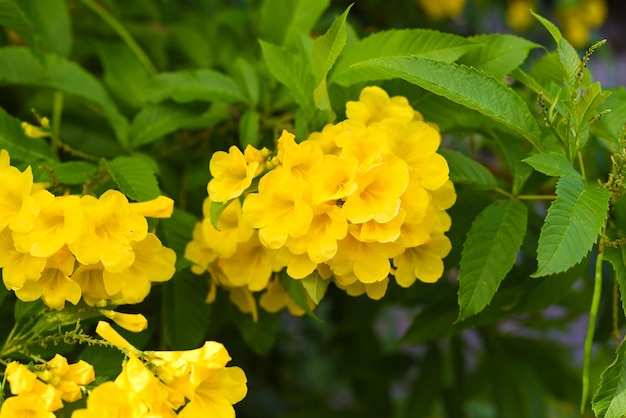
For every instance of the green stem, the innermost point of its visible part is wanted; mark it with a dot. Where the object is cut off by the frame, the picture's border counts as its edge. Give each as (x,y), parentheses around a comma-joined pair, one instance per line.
(525,196)
(57,111)
(123,33)
(591,326)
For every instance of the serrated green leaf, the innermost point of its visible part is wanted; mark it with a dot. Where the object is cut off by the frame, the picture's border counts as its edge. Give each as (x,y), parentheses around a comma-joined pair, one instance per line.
(572,225)
(465,170)
(327,47)
(499,54)
(18,145)
(283,21)
(466,86)
(124,74)
(249,126)
(609,400)
(292,72)
(156,120)
(315,286)
(587,106)
(70,172)
(610,125)
(396,43)
(617,258)
(489,253)
(296,291)
(552,164)
(14,18)
(135,177)
(19,66)
(185,312)
(187,86)
(51,20)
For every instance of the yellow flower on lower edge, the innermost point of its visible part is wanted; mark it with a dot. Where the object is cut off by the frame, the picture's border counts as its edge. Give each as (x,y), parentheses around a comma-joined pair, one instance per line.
(17,267)
(108,400)
(232,174)
(275,298)
(423,262)
(25,405)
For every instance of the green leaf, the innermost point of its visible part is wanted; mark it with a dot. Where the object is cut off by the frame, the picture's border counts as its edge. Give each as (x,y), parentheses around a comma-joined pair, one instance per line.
(499,54)
(186,86)
(315,286)
(260,335)
(19,66)
(157,120)
(552,164)
(283,21)
(570,61)
(587,106)
(396,43)
(610,399)
(249,126)
(515,152)
(124,74)
(467,86)
(296,291)
(135,177)
(610,125)
(572,225)
(18,145)
(292,72)
(327,47)
(28,309)
(51,20)
(185,311)
(246,76)
(70,172)
(465,170)
(14,18)
(489,253)
(617,258)
(177,232)
(107,363)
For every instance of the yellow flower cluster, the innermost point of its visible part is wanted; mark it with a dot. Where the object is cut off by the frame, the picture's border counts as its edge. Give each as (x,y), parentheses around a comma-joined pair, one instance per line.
(442,9)
(580,18)
(518,13)
(188,384)
(40,390)
(59,248)
(358,201)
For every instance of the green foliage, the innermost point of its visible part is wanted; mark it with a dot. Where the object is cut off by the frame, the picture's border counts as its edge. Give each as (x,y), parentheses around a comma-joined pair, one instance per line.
(465,170)
(610,399)
(489,253)
(572,226)
(135,177)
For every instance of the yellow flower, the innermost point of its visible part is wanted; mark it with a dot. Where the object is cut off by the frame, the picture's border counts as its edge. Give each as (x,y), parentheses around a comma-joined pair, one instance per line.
(244,300)
(59,222)
(198,250)
(17,207)
(252,265)
(26,405)
(423,262)
(231,231)
(89,278)
(276,298)
(378,195)
(109,400)
(334,178)
(518,14)
(54,286)
(442,9)
(33,131)
(66,378)
(152,263)
(106,331)
(375,105)
(17,267)
(161,207)
(232,174)
(278,210)
(130,322)
(110,227)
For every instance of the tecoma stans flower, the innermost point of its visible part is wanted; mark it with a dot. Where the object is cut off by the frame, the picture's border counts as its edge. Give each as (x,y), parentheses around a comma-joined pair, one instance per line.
(25,405)
(375,105)
(232,174)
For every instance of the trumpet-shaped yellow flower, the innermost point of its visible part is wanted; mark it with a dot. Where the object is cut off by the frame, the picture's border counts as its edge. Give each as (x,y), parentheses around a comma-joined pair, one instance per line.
(109,400)
(130,322)
(334,178)
(26,405)
(110,227)
(152,263)
(198,250)
(18,208)
(375,105)
(232,230)
(90,279)
(423,262)
(278,210)
(232,174)
(17,267)
(59,222)
(160,207)
(252,265)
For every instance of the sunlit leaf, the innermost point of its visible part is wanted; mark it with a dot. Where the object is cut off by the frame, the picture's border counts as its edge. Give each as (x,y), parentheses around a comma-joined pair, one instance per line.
(466,170)
(552,164)
(315,286)
(499,54)
(610,398)
(135,177)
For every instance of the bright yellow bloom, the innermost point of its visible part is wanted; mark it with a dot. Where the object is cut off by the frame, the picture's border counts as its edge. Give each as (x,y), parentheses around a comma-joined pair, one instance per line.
(232,230)
(17,207)
(423,262)
(278,210)
(25,405)
(518,14)
(110,227)
(130,322)
(90,279)
(198,250)
(109,400)
(59,222)
(152,263)
(375,105)
(232,174)
(334,178)
(54,286)
(252,265)
(161,207)
(17,267)
(33,131)
(244,300)
(275,298)
(442,9)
